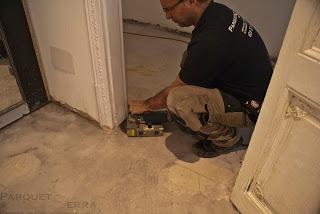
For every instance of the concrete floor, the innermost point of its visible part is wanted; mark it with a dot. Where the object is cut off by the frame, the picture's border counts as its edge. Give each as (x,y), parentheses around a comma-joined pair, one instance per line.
(54,161)
(9,91)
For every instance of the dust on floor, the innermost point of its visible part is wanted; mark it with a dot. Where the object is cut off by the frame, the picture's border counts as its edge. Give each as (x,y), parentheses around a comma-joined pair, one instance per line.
(54,161)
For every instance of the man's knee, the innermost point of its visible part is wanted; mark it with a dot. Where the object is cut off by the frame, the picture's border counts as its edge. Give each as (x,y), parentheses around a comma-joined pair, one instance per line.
(215,93)
(180,96)
(174,97)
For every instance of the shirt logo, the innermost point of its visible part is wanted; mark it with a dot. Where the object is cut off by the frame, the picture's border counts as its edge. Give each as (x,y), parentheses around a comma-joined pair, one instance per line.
(246,29)
(234,22)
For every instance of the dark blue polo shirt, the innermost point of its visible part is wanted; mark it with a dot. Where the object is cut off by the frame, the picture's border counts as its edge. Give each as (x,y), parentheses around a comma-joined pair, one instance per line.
(227,53)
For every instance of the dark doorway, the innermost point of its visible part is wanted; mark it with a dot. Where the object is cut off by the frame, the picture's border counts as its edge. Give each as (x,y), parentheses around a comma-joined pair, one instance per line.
(18,51)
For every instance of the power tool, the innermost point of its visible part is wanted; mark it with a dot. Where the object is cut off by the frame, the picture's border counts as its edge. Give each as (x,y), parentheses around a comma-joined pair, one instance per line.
(149,124)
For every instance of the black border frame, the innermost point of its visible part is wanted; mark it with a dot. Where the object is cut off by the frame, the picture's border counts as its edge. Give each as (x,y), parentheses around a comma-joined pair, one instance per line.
(23,56)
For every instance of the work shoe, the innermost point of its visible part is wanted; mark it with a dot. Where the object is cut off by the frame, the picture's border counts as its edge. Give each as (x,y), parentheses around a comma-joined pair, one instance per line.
(207,149)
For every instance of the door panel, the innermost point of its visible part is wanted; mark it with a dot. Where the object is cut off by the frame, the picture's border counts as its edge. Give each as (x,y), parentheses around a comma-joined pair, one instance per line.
(281,170)
(291,171)
(311,44)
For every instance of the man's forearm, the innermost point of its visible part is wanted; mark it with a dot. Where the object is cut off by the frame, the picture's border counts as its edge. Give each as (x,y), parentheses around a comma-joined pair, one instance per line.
(159,101)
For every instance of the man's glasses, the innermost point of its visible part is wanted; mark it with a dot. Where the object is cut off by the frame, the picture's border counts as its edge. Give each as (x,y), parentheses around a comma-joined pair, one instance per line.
(170,8)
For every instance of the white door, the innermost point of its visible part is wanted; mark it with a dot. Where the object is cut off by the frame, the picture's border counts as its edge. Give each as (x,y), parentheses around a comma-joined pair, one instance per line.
(281,171)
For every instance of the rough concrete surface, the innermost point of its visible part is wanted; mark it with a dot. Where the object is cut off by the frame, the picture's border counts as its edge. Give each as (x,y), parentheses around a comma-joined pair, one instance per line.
(151,63)
(54,161)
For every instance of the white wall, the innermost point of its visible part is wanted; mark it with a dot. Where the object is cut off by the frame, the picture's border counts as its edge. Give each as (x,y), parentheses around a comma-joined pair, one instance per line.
(269,17)
(62,25)
(148,11)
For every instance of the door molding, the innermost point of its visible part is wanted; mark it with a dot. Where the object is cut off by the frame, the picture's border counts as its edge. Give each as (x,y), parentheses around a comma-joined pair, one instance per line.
(104,25)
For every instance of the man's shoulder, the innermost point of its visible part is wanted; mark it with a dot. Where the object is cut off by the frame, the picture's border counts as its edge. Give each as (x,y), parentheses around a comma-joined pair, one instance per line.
(218,11)
(214,23)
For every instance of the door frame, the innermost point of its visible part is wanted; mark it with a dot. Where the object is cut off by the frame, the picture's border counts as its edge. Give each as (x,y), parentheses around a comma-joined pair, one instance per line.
(16,35)
(21,52)
(104,20)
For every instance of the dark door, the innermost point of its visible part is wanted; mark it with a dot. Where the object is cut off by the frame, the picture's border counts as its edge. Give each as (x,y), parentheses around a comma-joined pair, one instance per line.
(22,62)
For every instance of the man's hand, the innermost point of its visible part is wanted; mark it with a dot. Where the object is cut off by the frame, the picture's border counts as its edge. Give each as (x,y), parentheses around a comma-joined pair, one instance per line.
(137,107)
(156,102)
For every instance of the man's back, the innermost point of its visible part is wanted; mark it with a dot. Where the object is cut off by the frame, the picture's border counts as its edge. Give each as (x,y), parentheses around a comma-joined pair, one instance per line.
(227,53)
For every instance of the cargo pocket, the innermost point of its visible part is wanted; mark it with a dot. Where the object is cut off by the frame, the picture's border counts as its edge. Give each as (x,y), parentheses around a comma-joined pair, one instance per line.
(231,104)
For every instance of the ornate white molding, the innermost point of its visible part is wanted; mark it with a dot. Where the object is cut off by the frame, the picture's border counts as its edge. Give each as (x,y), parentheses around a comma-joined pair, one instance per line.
(258,192)
(297,109)
(100,66)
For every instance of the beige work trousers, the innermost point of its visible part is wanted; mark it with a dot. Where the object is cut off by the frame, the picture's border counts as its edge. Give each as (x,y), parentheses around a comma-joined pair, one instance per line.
(187,102)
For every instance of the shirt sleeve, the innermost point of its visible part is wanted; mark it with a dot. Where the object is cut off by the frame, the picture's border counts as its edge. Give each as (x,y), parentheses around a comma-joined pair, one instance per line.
(203,63)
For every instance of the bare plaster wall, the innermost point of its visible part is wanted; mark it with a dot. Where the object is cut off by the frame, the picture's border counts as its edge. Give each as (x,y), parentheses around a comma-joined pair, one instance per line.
(270,17)
(62,35)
